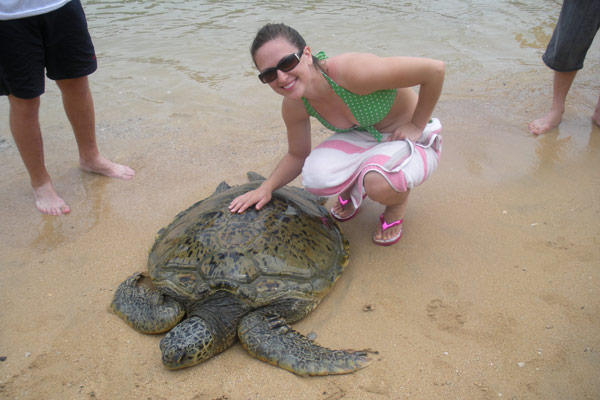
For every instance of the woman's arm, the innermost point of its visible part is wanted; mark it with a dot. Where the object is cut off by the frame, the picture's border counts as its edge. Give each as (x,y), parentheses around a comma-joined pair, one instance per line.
(298,133)
(364,73)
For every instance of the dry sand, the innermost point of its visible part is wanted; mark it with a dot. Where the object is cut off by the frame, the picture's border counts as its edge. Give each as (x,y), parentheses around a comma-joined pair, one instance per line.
(493,292)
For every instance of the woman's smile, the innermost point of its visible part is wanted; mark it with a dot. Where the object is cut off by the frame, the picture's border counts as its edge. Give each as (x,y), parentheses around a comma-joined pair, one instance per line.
(290,85)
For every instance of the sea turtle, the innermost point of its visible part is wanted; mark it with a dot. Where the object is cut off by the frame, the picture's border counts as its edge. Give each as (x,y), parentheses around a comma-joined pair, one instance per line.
(243,276)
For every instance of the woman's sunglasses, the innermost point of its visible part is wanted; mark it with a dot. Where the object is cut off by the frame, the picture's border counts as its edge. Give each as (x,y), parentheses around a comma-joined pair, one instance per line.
(286,64)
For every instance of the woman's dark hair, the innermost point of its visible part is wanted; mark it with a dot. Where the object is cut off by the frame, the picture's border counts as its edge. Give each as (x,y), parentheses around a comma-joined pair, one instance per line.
(274,31)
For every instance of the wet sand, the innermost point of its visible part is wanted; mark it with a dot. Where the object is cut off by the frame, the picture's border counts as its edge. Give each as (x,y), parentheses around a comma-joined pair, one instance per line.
(493,292)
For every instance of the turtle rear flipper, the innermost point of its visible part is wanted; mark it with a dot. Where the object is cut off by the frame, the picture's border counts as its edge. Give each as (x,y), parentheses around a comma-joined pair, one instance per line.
(255,176)
(145,308)
(269,338)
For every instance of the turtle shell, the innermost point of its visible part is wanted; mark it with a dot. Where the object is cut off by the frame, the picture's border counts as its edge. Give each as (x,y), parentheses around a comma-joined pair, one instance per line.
(291,248)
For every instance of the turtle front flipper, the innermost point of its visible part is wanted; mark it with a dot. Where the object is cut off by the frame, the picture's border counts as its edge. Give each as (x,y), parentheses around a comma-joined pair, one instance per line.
(269,338)
(145,308)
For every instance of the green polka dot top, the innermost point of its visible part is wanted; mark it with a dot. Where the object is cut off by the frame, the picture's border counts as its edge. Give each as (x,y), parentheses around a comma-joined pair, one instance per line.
(368,109)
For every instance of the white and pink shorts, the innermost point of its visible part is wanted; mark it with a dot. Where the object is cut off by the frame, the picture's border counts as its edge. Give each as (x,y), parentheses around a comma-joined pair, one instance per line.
(342,161)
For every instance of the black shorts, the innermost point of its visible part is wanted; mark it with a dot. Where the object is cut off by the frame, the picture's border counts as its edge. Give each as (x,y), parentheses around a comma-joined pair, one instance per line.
(573,35)
(58,41)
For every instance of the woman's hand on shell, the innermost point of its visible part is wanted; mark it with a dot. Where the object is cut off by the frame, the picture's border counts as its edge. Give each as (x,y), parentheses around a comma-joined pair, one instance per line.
(258,196)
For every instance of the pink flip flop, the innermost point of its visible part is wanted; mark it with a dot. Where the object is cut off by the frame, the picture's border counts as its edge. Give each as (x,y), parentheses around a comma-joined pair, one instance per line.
(343,204)
(384,227)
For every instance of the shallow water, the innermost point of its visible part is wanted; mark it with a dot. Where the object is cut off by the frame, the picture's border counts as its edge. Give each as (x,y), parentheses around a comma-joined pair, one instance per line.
(189,59)
(203,45)
(177,75)
(208,41)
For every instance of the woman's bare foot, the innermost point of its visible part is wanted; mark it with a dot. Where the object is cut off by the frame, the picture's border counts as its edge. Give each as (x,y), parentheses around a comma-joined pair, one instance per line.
(546,123)
(392,221)
(48,201)
(103,166)
(596,115)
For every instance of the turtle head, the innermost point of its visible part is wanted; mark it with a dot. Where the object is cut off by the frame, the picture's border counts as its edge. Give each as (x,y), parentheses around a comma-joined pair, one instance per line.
(210,329)
(189,343)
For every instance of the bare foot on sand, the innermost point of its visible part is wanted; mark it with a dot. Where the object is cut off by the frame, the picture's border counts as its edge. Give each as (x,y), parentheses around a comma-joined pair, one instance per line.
(596,116)
(546,123)
(48,201)
(103,166)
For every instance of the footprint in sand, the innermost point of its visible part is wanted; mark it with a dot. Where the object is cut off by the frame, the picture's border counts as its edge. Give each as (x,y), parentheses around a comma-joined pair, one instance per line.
(447,317)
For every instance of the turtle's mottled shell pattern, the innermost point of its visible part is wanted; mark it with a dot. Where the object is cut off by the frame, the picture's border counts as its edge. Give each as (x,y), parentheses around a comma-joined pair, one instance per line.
(290,248)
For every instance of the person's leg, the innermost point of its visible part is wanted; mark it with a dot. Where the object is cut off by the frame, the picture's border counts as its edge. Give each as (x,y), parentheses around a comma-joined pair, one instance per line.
(379,190)
(596,115)
(573,35)
(25,128)
(562,84)
(79,107)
